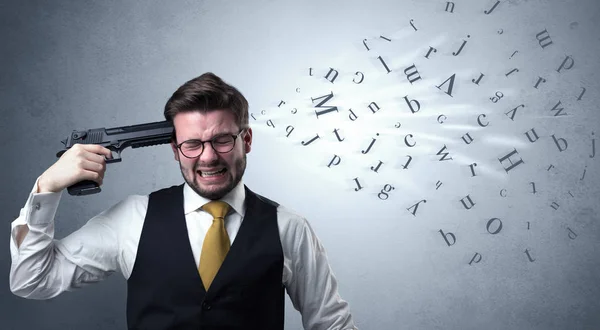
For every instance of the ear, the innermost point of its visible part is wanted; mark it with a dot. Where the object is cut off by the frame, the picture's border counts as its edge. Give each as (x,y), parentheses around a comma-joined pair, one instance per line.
(247,138)
(175,151)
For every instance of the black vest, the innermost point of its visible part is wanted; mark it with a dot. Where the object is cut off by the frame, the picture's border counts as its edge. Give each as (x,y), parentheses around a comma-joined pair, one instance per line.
(165,291)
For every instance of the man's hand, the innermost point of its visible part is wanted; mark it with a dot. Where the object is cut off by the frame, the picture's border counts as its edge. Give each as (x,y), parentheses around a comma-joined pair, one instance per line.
(78,163)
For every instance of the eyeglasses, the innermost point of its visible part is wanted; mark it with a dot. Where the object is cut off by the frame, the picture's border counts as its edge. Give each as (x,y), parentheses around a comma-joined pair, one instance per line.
(222,143)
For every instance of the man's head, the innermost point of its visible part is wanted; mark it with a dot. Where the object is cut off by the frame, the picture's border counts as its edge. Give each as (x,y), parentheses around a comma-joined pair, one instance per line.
(207,109)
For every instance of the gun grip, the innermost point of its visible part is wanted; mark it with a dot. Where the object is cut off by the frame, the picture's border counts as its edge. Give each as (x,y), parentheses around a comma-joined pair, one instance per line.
(86,187)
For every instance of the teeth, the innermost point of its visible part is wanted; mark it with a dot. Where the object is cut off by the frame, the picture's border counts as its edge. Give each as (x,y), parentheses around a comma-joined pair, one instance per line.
(211,173)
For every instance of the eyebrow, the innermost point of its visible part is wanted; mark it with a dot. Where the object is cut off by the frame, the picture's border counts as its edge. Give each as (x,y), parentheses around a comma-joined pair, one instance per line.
(214,136)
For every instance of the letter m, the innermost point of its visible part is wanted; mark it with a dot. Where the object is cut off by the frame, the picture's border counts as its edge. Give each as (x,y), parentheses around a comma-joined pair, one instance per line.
(326,109)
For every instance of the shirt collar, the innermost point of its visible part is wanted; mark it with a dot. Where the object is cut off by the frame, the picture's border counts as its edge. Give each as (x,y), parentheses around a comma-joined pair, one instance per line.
(235,198)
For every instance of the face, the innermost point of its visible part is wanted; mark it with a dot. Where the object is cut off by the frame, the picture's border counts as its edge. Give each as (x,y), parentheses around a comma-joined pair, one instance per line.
(230,166)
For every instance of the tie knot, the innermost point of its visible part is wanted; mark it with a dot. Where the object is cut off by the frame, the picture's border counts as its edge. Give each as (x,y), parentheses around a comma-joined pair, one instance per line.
(218,209)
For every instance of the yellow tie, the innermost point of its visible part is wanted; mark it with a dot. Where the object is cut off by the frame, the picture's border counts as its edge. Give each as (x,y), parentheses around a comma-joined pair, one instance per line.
(216,242)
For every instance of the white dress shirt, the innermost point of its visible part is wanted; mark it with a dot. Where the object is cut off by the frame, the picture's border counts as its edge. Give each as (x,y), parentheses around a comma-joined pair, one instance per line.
(43,267)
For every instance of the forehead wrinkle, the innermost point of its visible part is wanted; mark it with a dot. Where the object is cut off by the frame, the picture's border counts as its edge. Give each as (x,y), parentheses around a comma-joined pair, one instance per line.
(204,126)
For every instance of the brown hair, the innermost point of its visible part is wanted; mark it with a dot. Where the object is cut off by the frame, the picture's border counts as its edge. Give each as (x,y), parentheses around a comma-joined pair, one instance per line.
(205,93)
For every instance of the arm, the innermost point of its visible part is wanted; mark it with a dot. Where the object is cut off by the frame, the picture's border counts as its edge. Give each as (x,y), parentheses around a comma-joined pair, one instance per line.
(41,267)
(313,286)
(80,163)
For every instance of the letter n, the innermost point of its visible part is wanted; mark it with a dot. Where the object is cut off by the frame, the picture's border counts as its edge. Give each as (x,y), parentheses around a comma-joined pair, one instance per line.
(334,75)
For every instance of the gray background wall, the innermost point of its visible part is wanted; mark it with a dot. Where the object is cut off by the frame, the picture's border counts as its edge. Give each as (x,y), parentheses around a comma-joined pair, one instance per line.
(80,64)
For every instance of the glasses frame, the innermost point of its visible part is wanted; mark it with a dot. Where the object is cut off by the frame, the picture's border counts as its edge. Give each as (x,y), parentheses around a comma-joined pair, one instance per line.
(235,136)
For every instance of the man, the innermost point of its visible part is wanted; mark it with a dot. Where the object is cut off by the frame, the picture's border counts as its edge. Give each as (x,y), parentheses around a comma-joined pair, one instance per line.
(189,264)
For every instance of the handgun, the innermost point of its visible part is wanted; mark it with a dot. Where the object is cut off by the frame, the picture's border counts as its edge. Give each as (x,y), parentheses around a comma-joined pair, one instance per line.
(116,139)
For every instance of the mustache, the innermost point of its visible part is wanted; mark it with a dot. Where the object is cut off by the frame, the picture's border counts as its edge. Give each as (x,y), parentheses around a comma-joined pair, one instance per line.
(212,164)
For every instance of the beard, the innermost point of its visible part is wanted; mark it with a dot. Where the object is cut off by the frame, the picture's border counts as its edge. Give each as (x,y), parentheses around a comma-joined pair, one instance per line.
(212,192)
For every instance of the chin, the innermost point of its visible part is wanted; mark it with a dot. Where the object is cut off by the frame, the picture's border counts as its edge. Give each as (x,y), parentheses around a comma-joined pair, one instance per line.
(209,192)
(212,190)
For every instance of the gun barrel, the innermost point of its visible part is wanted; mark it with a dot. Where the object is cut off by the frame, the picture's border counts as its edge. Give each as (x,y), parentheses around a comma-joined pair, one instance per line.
(160,126)
(122,135)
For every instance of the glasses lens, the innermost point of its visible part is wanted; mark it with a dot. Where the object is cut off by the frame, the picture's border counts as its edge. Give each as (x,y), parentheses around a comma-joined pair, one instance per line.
(191,148)
(223,143)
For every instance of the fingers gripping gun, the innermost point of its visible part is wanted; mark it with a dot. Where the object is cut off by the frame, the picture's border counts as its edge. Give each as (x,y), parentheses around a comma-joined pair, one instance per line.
(116,139)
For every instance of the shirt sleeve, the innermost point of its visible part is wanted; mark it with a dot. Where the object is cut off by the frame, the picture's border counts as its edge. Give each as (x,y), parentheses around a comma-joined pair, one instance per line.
(312,286)
(43,267)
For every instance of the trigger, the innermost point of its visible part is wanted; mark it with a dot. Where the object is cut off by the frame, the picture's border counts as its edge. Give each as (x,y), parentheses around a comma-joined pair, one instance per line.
(116,156)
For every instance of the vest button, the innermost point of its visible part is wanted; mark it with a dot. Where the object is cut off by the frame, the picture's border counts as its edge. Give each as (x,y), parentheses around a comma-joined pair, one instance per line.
(206,306)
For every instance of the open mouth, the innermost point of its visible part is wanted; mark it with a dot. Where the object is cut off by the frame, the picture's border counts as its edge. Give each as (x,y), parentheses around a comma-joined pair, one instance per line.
(211,174)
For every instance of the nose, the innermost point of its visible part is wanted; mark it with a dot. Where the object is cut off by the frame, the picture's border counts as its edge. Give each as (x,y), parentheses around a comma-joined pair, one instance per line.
(209,154)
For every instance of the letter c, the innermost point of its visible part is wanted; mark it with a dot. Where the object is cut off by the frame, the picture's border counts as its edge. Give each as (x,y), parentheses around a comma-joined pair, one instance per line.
(479,121)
